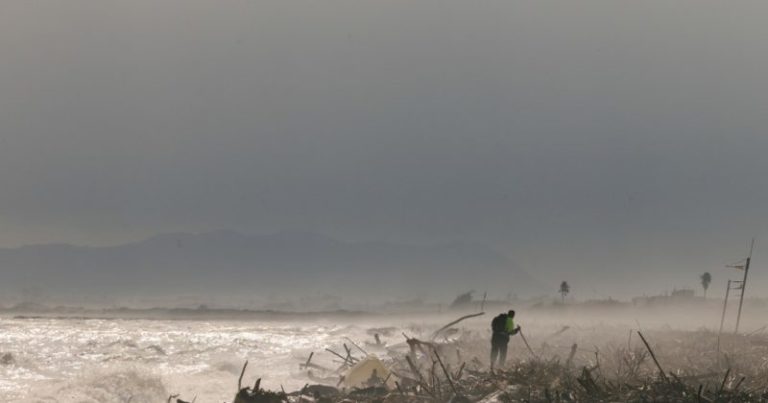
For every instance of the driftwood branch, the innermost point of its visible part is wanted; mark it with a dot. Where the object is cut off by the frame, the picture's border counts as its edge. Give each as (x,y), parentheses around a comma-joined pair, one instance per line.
(358,347)
(445,371)
(653,356)
(240,380)
(438,331)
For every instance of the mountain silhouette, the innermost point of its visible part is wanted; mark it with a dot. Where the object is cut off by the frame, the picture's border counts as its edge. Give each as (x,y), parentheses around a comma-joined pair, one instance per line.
(227,262)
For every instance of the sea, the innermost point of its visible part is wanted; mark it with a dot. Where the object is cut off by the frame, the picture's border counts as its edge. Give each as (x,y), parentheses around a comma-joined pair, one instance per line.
(137,360)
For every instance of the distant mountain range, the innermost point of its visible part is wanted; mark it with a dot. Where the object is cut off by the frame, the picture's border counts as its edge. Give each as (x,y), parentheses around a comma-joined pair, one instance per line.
(228,262)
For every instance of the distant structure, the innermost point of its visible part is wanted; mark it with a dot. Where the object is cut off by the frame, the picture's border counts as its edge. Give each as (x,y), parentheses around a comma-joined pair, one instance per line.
(462,300)
(677,296)
(683,293)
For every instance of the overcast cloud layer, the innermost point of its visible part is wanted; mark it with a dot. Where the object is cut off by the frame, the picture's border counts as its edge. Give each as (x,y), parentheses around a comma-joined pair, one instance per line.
(618,144)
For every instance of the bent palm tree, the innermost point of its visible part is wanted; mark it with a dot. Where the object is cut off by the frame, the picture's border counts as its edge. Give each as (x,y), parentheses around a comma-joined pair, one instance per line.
(564,290)
(706,278)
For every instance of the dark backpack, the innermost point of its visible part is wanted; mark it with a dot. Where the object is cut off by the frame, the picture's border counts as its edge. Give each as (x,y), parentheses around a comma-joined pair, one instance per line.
(499,324)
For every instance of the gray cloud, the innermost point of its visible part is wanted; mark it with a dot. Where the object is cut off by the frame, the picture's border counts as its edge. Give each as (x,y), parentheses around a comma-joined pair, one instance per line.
(620,141)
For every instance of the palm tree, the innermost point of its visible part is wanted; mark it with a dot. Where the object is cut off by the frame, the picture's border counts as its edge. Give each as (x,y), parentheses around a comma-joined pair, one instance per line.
(564,290)
(706,278)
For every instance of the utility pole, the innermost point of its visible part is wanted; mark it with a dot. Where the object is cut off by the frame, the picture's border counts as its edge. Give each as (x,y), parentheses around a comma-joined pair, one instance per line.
(722,318)
(744,285)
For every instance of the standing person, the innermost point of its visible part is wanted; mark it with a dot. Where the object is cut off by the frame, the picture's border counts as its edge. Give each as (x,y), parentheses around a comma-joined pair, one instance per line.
(502,327)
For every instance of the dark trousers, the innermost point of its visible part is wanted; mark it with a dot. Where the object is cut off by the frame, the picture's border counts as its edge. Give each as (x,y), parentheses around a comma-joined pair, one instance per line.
(499,349)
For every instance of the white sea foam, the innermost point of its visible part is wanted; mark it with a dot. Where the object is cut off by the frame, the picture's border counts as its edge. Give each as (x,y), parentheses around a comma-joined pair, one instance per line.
(96,360)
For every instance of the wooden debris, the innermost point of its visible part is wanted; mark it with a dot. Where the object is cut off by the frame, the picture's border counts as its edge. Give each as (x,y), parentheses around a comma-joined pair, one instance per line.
(430,372)
(438,331)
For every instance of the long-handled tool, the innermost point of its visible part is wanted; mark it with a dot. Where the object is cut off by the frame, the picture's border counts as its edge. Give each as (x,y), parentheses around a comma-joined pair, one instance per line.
(527,345)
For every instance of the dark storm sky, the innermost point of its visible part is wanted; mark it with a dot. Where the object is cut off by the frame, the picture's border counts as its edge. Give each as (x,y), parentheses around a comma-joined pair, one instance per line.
(618,144)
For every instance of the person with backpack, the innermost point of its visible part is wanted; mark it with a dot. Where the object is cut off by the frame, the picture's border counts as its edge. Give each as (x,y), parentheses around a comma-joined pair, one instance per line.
(502,327)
